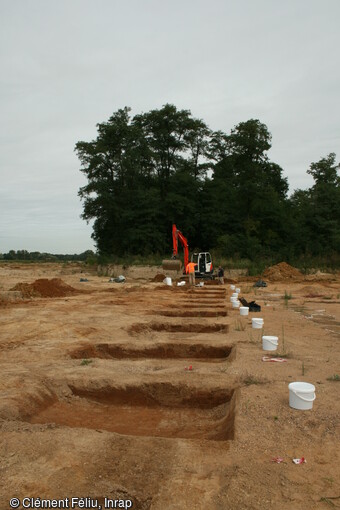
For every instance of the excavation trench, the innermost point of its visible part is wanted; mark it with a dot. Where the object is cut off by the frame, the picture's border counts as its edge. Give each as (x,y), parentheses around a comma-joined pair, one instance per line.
(159,410)
(199,302)
(178,328)
(191,313)
(198,295)
(204,306)
(213,295)
(160,351)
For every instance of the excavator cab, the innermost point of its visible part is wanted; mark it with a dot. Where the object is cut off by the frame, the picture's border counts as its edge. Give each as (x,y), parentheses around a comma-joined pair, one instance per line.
(204,264)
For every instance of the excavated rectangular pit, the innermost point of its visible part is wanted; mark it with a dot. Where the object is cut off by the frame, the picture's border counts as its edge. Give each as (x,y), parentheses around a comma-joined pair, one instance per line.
(190,351)
(203,297)
(198,302)
(159,410)
(205,292)
(194,306)
(178,328)
(200,293)
(192,313)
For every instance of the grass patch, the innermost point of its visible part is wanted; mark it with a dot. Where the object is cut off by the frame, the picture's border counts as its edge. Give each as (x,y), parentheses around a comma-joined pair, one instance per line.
(287,296)
(249,380)
(85,362)
(240,326)
(283,340)
(328,479)
(286,355)
(254,339)
(247,406)
(335,377)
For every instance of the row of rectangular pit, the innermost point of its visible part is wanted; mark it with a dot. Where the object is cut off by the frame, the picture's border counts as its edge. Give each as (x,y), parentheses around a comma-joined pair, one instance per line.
(159,409)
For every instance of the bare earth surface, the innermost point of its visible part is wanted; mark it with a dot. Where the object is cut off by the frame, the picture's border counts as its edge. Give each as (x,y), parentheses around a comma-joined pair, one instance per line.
(159,394)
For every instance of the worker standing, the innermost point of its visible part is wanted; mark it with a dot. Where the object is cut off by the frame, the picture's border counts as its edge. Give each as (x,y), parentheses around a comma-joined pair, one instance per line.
(190,269)
(220,275)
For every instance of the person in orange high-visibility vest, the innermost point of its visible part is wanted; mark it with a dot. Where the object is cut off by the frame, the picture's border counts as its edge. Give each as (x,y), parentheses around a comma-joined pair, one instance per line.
(191,270)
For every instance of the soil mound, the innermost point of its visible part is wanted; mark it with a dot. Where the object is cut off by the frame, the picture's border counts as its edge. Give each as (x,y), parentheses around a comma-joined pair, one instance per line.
(45,288)
(282,271)
(158,278)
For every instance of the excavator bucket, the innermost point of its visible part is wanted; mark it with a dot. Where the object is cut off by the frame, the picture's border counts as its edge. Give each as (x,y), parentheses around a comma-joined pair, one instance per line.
(172,265)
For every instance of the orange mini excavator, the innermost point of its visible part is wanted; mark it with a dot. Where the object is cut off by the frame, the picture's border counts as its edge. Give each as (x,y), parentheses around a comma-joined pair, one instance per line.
(202,260)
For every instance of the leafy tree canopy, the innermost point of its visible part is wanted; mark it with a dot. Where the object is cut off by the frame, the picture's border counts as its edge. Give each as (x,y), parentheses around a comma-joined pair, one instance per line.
(166,166)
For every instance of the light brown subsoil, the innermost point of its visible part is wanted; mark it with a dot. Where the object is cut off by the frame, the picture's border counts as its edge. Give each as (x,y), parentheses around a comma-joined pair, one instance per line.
(159,394)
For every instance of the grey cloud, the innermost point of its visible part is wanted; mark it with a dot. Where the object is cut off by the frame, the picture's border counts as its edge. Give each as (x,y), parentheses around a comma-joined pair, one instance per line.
(68,65)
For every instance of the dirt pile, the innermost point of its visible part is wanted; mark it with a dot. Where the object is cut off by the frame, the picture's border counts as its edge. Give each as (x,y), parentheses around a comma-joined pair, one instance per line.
(158,278)
(282,271)
(45,288)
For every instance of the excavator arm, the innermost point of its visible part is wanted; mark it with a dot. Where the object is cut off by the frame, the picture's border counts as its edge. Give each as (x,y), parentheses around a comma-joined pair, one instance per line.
(177,235)
(174,263)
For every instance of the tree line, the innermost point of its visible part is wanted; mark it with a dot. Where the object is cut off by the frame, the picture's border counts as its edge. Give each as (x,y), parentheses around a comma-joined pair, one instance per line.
(147,171)
(36,256)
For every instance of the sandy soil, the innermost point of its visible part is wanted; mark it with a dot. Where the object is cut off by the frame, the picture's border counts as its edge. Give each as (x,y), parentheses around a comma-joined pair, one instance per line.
(159,394)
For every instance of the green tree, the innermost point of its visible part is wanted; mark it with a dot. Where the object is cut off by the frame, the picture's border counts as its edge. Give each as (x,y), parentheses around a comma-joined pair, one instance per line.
(250,191)
(117,166)
(165,166)
(143,174)
(317,210)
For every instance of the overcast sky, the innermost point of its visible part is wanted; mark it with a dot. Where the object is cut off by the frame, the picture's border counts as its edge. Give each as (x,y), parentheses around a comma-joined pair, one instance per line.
(68,64)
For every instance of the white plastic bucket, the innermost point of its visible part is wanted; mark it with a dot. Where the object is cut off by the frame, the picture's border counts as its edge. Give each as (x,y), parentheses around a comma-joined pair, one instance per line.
(232,287)
(257,323)
(237,290)
(270,343)
(301,395)
(167,281)
(244,310)
(235,304)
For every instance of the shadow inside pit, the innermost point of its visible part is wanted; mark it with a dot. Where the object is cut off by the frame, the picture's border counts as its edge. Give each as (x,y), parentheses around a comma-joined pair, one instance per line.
(191,313)
(178,328)
(200,352)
